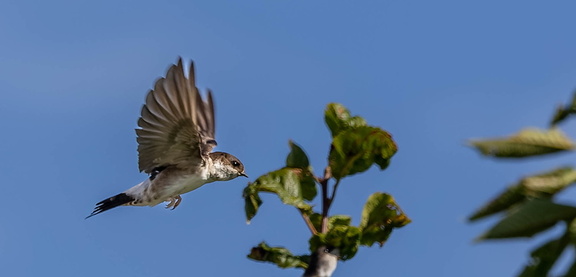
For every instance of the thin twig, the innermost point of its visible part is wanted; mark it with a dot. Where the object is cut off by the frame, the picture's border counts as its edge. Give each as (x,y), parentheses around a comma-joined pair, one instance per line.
(308,222)
(334,190)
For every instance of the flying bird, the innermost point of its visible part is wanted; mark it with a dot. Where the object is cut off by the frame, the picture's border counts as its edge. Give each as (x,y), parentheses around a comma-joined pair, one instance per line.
(175,142)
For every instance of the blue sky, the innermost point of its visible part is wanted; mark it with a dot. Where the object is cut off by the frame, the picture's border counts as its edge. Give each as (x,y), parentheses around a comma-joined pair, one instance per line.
(73,77)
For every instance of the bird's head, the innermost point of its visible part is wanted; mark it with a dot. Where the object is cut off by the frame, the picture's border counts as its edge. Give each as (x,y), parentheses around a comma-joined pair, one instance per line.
(227,166)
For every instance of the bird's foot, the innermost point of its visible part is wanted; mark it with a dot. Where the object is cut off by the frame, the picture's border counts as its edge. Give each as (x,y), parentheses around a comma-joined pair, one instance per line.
(174,202)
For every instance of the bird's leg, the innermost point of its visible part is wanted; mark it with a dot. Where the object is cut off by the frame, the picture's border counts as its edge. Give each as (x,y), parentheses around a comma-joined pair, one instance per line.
(178,200)
(174,202)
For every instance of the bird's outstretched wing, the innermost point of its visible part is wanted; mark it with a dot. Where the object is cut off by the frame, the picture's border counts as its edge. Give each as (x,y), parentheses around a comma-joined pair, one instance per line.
(177,125)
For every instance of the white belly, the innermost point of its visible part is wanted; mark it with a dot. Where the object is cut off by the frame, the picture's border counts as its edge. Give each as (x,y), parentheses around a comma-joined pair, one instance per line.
(165,187)
(183,185)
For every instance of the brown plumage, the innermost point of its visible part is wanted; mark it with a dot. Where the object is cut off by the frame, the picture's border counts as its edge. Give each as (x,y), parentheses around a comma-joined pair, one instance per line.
(175,140)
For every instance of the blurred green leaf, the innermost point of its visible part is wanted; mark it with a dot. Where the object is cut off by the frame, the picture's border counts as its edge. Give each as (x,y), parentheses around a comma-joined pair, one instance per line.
(542,185)
(292,185)
(381,214)
(334,220)
(356,150)
(511,196)
(338,119)
(572,231)
(563,111)
(345,238)
(297,157)
(339,220)
(528,142)
(550,182)
(544,257)
(316,220)
(530,218)
(560,115)
(279,256)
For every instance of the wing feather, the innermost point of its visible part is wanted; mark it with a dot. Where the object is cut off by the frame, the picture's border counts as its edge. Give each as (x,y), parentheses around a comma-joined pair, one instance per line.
(176,124)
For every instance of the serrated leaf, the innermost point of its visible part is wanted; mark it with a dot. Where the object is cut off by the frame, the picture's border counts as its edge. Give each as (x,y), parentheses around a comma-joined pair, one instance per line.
(380,216)
(544,257)
(297,157)
(530,218)
(344,238)
(338,119)
(356,150)
(541,185)
(279,256)
(293,186)
(528,142)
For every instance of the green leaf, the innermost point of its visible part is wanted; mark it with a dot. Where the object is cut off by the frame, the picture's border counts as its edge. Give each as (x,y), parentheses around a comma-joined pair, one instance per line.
(316,220)
(339,220)
(345,238)
(563,111)
(543,185)
(279,256)
(338,119)
(380,216)
(297,157)
(572,231)
(293,185)
(550,182)
(544,257)
(510,197)
(528,142)
(560,115)
(252,201)
(356,150)
(529,219)
(334,220)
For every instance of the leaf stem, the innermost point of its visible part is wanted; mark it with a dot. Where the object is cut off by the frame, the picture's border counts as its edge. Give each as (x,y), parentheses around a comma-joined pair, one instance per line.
(308,222)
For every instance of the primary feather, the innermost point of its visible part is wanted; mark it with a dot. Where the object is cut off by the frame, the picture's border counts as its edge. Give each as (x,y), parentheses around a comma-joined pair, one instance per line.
(177,125)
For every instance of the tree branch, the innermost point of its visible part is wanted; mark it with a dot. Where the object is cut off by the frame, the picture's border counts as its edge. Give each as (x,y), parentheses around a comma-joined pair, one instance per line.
(326,201)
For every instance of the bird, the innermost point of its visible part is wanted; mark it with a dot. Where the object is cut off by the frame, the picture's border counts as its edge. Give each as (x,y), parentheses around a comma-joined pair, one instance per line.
(175,138)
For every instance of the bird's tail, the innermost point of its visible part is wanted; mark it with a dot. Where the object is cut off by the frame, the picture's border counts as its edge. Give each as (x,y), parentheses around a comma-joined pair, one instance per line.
(112,202)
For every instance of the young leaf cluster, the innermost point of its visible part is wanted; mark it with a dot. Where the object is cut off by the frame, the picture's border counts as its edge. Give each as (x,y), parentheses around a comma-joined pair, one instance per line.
(355,148)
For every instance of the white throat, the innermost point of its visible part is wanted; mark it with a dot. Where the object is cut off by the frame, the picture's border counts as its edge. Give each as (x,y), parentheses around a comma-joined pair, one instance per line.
(220,171)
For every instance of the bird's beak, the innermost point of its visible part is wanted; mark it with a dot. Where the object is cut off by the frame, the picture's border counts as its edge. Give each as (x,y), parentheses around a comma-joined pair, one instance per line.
(243,174)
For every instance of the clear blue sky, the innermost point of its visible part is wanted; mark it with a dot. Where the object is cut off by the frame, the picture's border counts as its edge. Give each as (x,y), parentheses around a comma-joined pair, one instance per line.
(73,76)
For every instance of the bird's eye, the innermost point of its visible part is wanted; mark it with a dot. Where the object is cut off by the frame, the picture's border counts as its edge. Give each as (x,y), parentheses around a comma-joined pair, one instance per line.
(235,163)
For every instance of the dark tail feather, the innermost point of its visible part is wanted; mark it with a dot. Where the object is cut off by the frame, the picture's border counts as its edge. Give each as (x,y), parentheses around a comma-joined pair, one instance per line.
(112,202)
